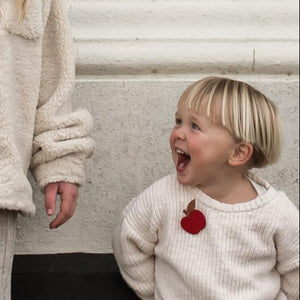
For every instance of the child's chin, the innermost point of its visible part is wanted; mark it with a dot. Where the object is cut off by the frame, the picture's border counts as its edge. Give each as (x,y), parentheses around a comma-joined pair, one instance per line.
(183,179)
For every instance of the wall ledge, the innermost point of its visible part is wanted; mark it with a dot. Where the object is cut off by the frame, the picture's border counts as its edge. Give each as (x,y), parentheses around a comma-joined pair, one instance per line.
(174,37)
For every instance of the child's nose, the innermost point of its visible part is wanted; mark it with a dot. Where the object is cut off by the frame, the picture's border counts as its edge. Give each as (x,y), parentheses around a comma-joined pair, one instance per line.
(181,134)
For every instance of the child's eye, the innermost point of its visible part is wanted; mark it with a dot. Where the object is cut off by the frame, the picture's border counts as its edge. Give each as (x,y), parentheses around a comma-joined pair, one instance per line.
(195,126)
(178,121)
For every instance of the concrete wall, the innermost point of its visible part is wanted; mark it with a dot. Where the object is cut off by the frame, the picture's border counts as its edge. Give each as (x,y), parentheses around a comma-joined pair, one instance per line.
(135,58)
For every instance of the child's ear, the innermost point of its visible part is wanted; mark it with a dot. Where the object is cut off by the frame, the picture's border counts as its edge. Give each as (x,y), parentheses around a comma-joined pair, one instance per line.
(241,155)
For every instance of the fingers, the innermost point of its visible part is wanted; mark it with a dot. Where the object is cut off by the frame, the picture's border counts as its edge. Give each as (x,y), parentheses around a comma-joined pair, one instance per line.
(69,195)
(51,191)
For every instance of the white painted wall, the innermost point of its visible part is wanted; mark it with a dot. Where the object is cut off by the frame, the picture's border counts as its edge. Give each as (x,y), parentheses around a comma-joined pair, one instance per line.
(135,58)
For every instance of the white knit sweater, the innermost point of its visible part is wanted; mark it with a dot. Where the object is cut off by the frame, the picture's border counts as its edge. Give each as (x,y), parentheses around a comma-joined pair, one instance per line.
(247,251)
(37,125)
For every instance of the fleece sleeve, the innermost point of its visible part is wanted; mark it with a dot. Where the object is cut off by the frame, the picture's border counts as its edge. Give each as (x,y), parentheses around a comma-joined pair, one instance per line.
(134,240)
(61,137)
(287,245)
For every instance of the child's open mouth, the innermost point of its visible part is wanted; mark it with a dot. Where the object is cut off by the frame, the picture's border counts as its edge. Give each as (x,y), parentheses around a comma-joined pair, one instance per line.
(183,160)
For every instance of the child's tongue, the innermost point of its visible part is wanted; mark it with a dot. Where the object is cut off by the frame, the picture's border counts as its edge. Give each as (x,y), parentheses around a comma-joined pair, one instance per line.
(183,161)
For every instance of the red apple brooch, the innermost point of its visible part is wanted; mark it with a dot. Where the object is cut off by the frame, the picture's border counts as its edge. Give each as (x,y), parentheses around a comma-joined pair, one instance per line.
(194,220)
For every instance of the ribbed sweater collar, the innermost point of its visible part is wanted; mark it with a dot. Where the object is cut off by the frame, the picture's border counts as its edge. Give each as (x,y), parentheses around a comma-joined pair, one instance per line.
(251,205)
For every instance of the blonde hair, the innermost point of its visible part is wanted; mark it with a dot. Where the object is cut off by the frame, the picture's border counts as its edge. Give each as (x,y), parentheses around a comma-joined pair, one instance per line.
(21,4)
(247,113)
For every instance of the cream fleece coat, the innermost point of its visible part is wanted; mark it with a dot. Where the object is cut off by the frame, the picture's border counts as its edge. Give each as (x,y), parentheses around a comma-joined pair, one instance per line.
(38,130)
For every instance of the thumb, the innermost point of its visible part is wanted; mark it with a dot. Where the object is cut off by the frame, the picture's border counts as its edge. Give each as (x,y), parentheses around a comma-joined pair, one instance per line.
(51,191)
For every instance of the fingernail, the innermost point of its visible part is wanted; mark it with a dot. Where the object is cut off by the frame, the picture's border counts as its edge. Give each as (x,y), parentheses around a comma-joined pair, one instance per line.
(49,211)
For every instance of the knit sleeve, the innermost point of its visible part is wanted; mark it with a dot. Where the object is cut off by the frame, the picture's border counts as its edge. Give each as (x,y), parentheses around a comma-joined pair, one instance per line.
(134,240)
(61,142)
(287,245)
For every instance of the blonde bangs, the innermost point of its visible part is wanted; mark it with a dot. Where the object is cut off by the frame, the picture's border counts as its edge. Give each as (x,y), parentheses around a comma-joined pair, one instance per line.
(200,95)
(244,111)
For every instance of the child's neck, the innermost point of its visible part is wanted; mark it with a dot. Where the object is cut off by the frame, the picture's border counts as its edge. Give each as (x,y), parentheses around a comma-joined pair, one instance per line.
(232,190)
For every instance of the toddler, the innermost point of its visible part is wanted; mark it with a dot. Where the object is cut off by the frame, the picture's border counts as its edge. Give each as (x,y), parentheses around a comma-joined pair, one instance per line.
(214,230)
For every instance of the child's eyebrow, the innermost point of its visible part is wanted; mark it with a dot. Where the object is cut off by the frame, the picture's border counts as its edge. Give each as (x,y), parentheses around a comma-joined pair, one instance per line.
(196,119)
